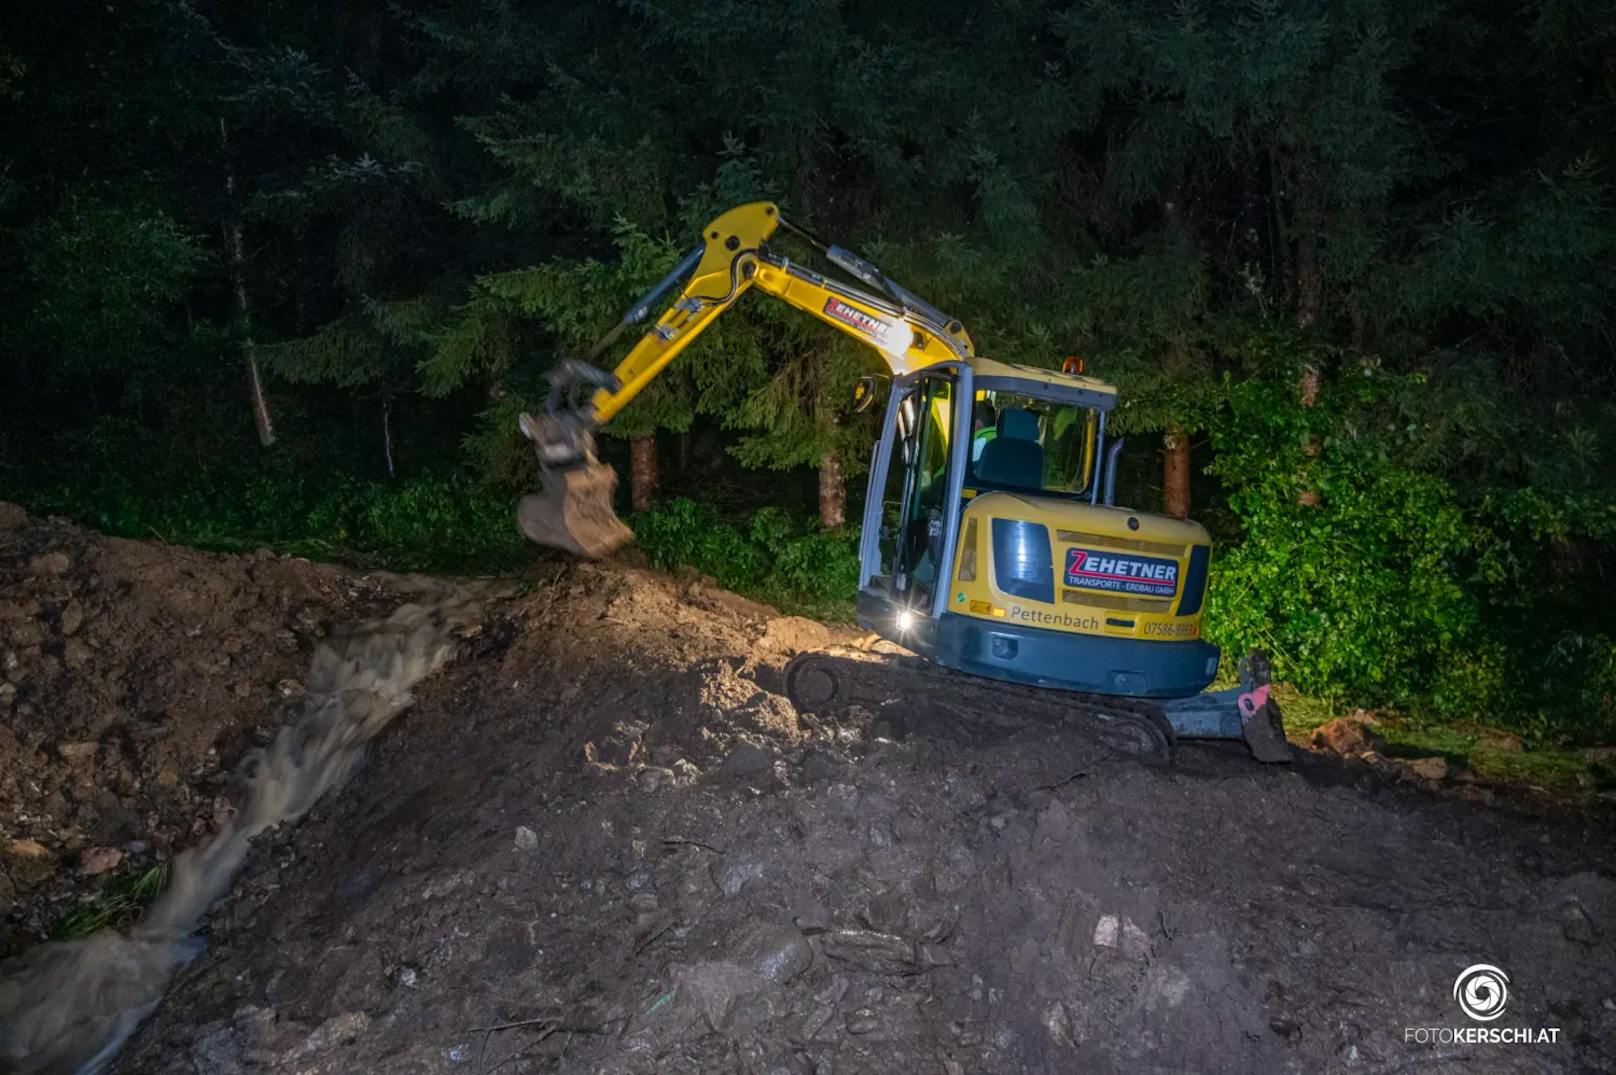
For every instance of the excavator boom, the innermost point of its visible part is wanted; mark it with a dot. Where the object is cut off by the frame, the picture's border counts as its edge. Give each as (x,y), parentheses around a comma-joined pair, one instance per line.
(573,510)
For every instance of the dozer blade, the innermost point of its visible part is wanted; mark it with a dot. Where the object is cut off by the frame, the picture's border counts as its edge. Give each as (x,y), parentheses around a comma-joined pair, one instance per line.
(1260,720)
(1248,713)
(573,511)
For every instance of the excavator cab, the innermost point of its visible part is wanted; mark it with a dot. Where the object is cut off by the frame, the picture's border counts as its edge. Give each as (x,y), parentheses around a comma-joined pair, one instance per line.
(992,545)
(991,542)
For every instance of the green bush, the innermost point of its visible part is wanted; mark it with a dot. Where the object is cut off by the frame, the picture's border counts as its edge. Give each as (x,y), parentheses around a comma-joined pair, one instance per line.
(1397,589)
(430,521)
(795,566)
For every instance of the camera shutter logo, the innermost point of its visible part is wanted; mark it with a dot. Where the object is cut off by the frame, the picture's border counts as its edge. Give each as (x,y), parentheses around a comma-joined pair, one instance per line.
(1482,991)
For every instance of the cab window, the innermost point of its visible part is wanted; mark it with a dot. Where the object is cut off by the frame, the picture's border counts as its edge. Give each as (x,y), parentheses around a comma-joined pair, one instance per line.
(1023,443)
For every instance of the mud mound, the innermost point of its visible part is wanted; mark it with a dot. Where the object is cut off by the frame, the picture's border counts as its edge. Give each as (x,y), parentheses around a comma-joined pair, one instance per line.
(615,848)
(132,677)
(68,1006)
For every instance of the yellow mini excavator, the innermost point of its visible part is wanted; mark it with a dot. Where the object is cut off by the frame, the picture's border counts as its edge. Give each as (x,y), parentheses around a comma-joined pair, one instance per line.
(991,549)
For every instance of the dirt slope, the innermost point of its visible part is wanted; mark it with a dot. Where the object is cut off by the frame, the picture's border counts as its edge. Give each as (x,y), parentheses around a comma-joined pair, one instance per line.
(132,677)
(613,846)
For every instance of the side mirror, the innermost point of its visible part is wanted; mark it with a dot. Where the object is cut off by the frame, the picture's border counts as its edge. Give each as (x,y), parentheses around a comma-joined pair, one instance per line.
(865,391)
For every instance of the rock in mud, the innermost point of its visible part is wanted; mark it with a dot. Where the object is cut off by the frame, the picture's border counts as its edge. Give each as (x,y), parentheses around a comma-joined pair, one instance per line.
(28,862)
(71,618)
(75,654)
(99,860)
(12,516)
(335,1031)
(653,777)
(28,634)
(54,562)
(526,838)
(16,611)
(820,766)
(1576,924)
(1115,931)
(748,761)
(887,912)
(718,993)
(793,634)
(877,953)
(862,1021)
(778,953)
(1165,987)
(733,874)
(1347,735)
(1433,768)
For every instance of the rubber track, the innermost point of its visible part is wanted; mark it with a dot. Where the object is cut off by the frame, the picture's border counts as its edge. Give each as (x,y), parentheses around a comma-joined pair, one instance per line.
(830,680)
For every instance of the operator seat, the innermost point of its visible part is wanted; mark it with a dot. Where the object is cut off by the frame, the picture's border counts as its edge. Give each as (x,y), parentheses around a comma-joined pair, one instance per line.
(1013,457)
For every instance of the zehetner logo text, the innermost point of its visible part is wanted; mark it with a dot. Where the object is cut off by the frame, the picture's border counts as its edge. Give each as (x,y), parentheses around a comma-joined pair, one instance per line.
(1482,993)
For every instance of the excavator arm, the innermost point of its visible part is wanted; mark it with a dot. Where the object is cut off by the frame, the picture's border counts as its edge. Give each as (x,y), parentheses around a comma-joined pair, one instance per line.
(573,510)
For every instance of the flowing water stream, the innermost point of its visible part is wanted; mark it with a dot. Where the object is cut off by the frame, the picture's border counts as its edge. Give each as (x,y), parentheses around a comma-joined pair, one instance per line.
(69,1006)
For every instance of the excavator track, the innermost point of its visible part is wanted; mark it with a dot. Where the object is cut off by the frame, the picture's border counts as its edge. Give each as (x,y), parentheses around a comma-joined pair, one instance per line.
(831,680)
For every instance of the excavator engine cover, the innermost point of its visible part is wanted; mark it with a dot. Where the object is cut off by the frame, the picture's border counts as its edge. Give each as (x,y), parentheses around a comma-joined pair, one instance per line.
(573,511)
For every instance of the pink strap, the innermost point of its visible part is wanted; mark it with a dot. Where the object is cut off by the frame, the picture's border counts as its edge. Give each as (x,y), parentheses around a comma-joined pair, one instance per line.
(1251,701)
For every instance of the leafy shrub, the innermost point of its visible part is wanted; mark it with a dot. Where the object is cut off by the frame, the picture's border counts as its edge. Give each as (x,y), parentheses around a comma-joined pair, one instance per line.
(435,520)
(1360,596)
(797,567)
(1396,589)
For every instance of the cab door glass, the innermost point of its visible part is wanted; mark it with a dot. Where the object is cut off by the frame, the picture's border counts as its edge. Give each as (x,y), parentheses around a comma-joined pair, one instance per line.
(894,493)
(917,490)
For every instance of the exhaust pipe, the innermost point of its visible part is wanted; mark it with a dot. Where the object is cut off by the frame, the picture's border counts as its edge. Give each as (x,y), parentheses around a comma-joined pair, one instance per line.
(1111,470)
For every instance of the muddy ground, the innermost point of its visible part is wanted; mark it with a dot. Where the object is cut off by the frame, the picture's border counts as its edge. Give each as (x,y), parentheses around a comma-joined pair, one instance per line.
(604,841)
(133,675)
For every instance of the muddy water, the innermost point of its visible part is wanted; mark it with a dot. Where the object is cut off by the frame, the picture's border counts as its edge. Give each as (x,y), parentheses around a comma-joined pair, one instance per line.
(69,1006)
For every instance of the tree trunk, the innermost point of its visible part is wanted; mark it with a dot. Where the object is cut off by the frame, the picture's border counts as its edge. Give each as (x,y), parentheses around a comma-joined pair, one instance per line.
(235,249)
(387,434)
(1176,473)
(1308,389)
(832,493)
(1309,282)
(642,470)
(1309,307)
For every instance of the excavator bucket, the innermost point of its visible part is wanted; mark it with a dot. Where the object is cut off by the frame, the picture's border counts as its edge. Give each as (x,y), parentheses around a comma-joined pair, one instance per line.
(573,511)
(573,508)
